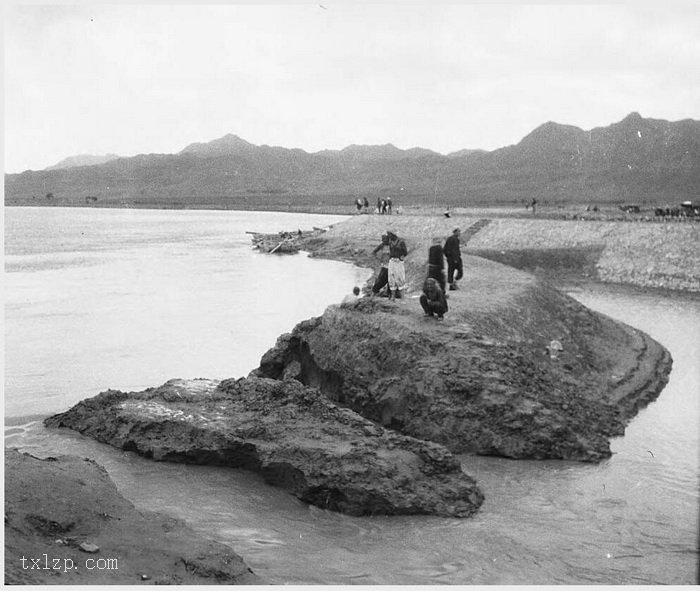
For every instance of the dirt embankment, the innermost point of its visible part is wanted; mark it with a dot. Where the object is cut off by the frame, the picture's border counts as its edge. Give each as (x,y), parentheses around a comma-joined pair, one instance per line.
(66,524)
(656,255)
(480,381)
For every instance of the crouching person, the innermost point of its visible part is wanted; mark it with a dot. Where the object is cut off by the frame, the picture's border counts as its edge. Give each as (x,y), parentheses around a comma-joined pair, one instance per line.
(432,300)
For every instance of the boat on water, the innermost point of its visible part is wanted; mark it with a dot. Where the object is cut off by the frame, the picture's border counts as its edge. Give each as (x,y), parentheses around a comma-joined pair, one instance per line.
(282,243)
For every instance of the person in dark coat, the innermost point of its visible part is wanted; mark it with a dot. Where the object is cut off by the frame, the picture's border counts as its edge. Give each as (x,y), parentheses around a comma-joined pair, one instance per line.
(436,263)
(454,258)
(432,300)
(382,251)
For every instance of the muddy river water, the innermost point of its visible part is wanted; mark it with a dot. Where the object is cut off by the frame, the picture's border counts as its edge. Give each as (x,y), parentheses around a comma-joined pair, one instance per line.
(130,299)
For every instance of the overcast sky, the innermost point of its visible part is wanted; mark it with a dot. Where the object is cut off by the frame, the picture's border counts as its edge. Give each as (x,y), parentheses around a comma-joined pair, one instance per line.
(132,79)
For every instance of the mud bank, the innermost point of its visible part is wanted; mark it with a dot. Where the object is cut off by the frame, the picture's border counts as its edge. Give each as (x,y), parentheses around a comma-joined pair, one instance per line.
(481,381)
(292,435)
(66,524)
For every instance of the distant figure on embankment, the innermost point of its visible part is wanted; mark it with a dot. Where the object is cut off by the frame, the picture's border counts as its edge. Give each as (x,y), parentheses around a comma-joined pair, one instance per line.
(454,259)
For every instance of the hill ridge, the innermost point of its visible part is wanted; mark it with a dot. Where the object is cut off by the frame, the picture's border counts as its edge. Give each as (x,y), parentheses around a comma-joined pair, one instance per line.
(636,159)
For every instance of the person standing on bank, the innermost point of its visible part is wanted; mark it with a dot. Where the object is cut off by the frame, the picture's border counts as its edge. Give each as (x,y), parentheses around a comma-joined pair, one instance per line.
(436,263)
(454,259)
(396,269)
(383,277)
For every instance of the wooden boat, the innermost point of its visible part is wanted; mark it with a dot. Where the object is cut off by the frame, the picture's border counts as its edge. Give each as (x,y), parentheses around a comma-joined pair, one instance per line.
(275,243)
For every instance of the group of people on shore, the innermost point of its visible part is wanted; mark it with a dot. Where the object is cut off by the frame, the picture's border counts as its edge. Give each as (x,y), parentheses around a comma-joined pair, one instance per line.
(384,206)
(392,274)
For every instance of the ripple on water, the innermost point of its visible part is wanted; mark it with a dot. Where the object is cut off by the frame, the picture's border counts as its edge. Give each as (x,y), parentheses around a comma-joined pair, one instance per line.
(252,536)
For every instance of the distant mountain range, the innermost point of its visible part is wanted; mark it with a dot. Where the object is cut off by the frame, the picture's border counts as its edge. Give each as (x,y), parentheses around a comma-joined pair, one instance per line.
(635,160)
(82,160)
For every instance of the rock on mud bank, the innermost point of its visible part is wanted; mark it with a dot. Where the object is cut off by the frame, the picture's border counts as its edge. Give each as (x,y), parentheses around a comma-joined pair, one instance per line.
(66,519)
(296,438)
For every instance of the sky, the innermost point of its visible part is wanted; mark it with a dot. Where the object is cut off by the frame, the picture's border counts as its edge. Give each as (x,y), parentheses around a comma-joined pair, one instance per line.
(143,78)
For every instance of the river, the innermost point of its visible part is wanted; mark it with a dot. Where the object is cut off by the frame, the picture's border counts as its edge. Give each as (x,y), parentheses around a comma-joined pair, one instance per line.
(130,298)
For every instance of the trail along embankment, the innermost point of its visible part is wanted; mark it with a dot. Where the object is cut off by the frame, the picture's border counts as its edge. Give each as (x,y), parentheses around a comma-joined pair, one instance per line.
(659,255)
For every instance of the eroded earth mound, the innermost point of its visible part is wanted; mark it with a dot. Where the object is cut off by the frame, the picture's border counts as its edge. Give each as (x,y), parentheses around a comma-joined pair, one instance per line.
(293,435)
(66,523)
(482,381)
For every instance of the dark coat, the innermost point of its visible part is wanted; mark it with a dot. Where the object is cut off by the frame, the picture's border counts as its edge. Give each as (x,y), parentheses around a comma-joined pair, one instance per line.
(436,256)
(397,249)
(452,252)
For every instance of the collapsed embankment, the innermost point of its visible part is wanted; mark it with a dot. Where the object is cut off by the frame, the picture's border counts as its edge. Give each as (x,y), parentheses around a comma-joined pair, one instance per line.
(482,380)
(292,435)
